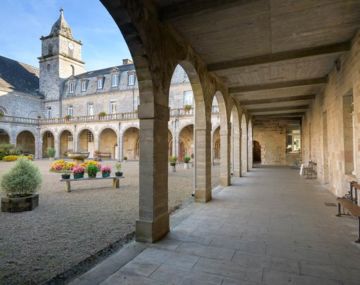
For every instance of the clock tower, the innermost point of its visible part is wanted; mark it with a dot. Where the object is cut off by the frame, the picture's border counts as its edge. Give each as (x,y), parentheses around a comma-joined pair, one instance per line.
(60,58)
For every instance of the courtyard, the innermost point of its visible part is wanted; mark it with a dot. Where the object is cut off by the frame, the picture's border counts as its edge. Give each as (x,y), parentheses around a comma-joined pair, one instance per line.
(67,228)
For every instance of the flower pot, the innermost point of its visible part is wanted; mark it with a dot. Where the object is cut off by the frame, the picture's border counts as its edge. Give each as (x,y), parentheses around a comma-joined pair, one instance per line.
(118,174)
(186,165)
(92,175)
(19,204)
(65,176)
(173,165)
(105,174)
(78,175)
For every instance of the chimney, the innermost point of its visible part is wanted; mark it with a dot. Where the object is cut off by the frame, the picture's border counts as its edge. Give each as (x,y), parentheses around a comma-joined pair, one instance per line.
(127,61)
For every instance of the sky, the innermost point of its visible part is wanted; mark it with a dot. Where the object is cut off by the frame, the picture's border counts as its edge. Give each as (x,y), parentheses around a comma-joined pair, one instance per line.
(23,22)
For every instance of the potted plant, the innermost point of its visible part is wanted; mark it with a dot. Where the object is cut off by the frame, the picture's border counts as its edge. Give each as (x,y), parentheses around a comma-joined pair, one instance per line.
(125,158)
(67,117)
(105,171)
(118,172)
(66,174)
(173,160)
(187,108)
(20,185)
(50,152)
(92,170)
(187,162)
(78,171)
(102,114)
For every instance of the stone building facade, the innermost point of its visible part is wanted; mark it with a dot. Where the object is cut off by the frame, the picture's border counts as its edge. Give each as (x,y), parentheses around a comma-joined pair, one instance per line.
(70,109)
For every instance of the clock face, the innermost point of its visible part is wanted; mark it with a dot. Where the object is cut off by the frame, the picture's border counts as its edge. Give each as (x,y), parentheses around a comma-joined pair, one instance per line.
(71,46)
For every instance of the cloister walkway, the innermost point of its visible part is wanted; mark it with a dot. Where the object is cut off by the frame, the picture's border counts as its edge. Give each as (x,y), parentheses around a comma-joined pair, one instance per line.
(270,227)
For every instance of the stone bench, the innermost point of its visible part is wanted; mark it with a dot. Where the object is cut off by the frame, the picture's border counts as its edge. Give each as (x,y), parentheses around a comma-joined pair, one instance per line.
(99,155)
(115,179)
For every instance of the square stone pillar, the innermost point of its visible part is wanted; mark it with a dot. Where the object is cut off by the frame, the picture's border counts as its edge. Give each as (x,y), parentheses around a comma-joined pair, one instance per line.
(202,171)
(225,155)
(57,146)
(153,223)
(237,151)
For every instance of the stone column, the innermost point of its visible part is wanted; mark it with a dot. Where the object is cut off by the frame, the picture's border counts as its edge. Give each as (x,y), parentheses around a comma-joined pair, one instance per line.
(250,147)
(202,169)
(57,146)
(38,144)
(212,147)
(120,143)
(237,150)
(225,155)
(153,221)
(244,151)
(174,139)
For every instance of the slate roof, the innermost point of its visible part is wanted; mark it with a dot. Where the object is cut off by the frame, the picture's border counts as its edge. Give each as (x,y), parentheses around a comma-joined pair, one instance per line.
(18,76)
(100,72)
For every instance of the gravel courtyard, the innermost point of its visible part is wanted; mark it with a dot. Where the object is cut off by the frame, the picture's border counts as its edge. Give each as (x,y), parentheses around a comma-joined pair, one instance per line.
(66,228)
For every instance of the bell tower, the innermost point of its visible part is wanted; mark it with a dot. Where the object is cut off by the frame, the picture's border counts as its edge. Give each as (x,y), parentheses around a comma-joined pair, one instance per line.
(60,58)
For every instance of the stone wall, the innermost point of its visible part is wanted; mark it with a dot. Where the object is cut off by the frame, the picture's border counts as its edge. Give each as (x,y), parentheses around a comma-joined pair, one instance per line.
(331,133)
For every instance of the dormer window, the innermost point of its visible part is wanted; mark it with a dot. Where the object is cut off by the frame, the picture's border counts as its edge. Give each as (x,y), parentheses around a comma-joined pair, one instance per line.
(114,80)
(83,86)
(71,87)
(131,79)
(100,83)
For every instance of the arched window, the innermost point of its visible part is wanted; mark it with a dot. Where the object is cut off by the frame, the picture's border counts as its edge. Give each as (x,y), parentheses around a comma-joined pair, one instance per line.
(72,70)
(50,49)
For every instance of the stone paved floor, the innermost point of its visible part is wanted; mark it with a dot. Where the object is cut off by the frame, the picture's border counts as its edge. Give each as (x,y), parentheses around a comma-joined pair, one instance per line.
(270,227)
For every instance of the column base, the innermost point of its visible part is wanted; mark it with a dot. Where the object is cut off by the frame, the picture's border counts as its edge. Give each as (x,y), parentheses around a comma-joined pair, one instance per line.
(147,231)
(202,196)
(224,181)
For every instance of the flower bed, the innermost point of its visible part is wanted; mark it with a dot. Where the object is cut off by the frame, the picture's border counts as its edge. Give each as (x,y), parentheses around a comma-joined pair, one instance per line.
(9,158)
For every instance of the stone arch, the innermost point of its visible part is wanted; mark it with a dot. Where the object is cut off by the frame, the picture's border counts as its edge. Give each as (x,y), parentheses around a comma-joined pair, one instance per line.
(48,140)
(244,145)
(224,139)
(131,137)
(66,141)
(4,136)
(86,141)
(186,142)
(25,141)
(256,152)
(108,141)
(250,144)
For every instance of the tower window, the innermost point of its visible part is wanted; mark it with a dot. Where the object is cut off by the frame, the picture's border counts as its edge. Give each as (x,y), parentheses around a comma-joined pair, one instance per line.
(100,83)
(49,113)
(83,86)
(71,87)
(114,80)
(50,49)
(131,78)
(48,67)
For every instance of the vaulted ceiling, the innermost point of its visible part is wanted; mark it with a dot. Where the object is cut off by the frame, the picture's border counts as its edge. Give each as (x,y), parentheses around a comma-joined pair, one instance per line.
(274,55)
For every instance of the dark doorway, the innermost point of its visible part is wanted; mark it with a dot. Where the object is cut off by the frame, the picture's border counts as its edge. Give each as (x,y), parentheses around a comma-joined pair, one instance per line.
(256,152)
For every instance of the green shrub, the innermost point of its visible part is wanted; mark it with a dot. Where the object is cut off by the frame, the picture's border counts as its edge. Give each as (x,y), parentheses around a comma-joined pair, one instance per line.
(187,159)
(173,160)
(50,152)
(23,179)
(8,149)
(92,170)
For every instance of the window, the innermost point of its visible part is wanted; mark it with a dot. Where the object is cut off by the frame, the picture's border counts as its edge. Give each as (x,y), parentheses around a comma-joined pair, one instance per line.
(72,70)
(50,49)
(131,78)
(293,141)
(188,98)
(112,107)
(49,113)
(71,87)
(114,80)
(90,109)
(70,110)
(83,86)
(48,67)
(100,83)
(90,136)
